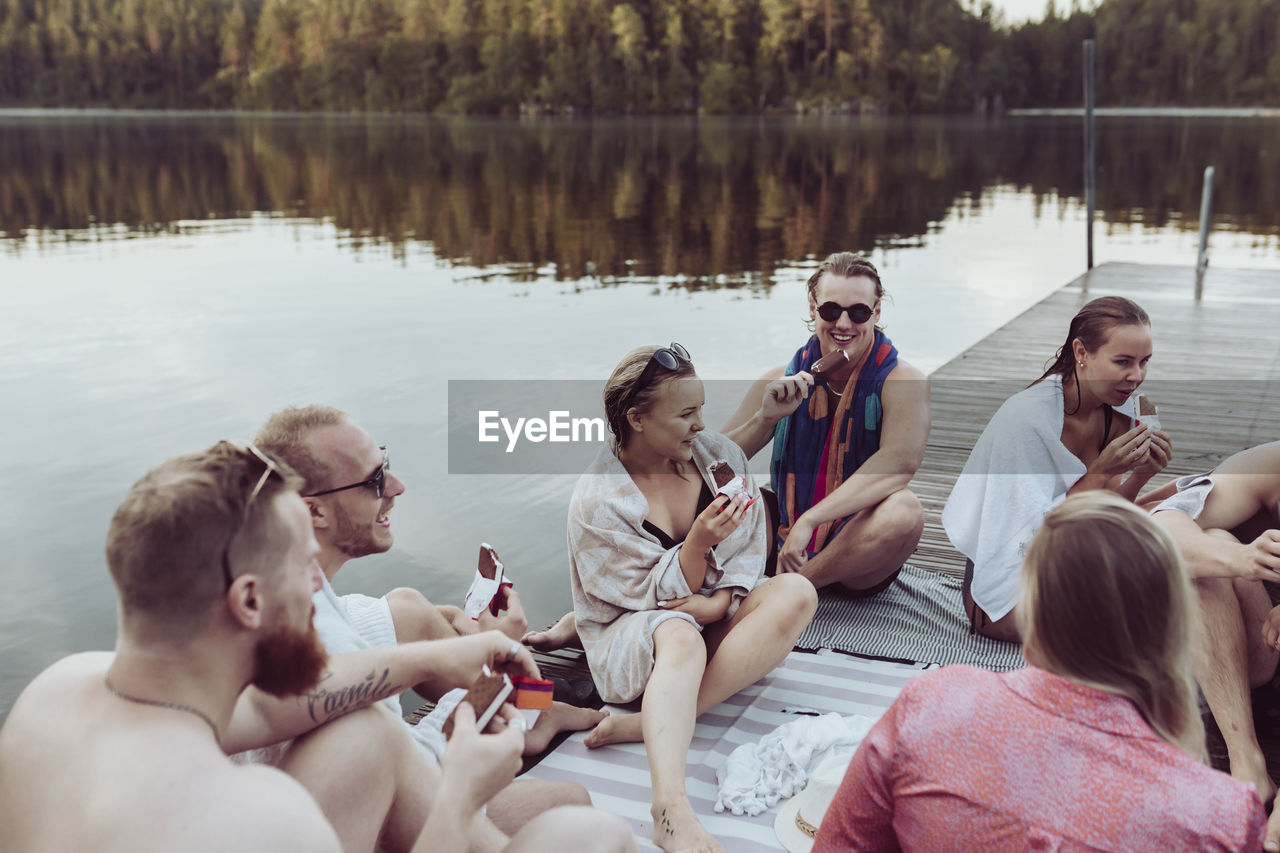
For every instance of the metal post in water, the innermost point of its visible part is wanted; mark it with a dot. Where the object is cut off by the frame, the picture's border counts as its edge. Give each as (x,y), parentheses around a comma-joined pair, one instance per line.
(1206,199)
(1088,148)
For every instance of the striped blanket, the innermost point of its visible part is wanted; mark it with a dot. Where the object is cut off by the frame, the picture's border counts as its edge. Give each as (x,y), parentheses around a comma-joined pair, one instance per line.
(919,617)
(618,776)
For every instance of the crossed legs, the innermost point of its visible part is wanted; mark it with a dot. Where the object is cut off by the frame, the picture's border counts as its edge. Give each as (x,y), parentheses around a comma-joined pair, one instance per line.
(693,672)
(871,545)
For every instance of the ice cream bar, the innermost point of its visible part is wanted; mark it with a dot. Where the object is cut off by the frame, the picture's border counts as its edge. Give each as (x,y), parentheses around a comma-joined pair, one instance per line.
(722,473)
(489,585)
(533,692)
(486,695)
(833,367)
(1146,412)
(728,483)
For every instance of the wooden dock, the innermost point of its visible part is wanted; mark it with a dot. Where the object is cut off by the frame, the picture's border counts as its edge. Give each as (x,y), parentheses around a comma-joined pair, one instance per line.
(1215,374)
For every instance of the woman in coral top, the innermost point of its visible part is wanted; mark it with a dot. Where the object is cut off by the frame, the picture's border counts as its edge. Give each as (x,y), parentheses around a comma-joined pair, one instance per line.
(1097,745)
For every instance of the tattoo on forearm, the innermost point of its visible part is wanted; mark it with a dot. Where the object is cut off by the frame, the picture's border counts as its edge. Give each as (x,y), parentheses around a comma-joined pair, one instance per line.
(665,823)
(324,704)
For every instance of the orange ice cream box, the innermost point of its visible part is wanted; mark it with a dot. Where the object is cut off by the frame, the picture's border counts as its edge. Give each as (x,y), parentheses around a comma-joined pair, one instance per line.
(532,693)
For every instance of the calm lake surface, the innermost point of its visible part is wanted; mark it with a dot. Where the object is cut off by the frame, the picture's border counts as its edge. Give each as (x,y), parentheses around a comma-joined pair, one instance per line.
(166,281)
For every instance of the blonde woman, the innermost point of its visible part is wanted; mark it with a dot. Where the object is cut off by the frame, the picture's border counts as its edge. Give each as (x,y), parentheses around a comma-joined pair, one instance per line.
(1097,745)
(668,579)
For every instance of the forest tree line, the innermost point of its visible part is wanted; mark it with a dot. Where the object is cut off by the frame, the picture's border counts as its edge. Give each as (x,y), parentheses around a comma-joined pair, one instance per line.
(629,56)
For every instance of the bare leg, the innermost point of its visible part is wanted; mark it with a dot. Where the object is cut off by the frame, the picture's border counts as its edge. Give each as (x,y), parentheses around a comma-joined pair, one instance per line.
(560,717)
(518,804)
(751,644)
(1231,658)
(871,546)
(743,650)
(1005,628)
(383,790)
(416,618)
(563,633)
(667,713)
(579,829)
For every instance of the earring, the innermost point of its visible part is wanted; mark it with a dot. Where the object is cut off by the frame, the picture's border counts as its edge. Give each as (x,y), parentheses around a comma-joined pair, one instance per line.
(1082,365)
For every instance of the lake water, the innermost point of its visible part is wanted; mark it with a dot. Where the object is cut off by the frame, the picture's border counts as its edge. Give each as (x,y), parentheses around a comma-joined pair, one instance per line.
(166,281)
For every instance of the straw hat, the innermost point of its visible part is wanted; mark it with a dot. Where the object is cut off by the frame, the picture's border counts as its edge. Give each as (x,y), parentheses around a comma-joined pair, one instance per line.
(799,817)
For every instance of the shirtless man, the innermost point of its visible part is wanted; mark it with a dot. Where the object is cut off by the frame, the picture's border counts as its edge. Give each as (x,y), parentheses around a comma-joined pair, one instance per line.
(214,564)
(1225,524)
(350,490)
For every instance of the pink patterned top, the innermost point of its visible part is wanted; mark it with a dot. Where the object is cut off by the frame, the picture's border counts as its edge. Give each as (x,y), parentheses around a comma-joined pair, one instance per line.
(967,759)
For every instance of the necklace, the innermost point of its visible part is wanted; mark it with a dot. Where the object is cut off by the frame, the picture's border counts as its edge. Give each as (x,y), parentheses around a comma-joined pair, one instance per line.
(833,390)
(175,706)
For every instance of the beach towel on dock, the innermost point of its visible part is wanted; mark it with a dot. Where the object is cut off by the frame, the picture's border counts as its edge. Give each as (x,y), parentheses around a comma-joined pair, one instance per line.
(619,571)
(618,775)
(918,617)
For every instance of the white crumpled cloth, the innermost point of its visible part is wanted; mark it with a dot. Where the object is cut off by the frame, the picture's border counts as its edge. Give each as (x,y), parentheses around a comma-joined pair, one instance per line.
(757,775)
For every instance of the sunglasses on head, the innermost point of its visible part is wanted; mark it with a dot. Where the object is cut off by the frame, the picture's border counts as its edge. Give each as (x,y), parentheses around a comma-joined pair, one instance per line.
(668,358)
(270,468)
(858,312)
(378,482)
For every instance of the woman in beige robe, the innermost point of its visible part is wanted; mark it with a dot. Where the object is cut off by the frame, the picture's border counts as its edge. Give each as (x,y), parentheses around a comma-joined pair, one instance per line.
(669,591)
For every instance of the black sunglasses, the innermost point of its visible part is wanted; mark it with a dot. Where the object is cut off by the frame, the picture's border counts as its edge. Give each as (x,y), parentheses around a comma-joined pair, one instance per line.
(271,468)
(670,357)
(858,312)
(378,482)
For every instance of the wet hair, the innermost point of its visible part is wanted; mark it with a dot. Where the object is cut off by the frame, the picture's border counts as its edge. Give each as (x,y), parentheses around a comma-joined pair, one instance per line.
(1092,325)
(286,435)
(1106,600)
(167,540)
(845,265)
(624,391)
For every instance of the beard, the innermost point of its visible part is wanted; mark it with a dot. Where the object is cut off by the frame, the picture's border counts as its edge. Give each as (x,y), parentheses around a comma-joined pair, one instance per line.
(355,540)
(288,661)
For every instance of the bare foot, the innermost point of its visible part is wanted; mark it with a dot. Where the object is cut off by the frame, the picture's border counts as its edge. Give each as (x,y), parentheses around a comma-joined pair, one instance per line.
(559,718)
(1254,771)
(616,728)
(676,828)
(563,633)
(1272,844)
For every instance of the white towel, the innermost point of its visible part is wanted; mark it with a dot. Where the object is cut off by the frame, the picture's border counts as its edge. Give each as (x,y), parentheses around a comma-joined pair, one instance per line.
(757,775)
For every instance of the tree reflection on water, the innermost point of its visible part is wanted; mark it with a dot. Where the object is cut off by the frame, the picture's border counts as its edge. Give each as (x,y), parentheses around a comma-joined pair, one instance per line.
(718,202)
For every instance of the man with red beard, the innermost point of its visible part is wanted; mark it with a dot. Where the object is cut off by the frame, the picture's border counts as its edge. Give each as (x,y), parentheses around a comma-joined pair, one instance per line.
(215,564)
(350,491)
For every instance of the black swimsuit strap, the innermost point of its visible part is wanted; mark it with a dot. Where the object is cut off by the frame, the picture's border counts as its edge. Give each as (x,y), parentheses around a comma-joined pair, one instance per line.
(1106,427)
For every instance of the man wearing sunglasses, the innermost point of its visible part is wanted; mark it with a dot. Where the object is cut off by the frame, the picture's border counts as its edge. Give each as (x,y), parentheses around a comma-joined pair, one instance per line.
(214,563)
(845,444)
(350,491)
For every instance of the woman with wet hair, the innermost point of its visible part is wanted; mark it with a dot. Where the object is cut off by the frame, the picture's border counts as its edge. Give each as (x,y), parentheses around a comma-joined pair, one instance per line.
(1071,431)
(1096,745)
(669,592)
